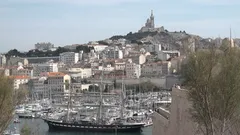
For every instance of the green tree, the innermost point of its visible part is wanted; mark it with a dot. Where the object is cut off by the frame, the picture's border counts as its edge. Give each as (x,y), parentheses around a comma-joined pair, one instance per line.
(8,100)
(225,44)
(212,79)
(83,48)
(14,52)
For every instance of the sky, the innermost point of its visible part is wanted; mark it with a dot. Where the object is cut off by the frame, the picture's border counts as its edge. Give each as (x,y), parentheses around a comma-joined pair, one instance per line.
(23,23)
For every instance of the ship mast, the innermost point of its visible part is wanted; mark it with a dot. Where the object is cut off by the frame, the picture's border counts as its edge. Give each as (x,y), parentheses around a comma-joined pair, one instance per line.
(100,101)
(122,99)
(69,102)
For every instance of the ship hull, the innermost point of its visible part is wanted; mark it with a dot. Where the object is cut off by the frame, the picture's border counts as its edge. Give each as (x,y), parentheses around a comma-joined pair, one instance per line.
(93,128)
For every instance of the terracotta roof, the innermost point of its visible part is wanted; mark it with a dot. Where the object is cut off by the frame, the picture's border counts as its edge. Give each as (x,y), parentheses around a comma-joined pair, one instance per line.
(55,74)
(20,77)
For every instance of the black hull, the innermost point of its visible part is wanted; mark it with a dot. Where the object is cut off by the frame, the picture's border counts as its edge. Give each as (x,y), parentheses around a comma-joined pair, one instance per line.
(26,117)
(57,126)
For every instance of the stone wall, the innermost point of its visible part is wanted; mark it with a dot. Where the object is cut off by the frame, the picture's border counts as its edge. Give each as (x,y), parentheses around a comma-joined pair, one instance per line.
(164,82)
(179,122)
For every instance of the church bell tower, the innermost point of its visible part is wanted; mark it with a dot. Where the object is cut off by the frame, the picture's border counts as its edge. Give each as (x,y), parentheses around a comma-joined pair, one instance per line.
(152,19)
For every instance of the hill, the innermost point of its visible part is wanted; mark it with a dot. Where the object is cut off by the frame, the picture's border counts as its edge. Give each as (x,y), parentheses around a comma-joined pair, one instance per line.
(181,41)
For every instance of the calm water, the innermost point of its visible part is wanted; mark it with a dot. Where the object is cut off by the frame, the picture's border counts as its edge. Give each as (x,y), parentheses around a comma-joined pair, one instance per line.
(41,128)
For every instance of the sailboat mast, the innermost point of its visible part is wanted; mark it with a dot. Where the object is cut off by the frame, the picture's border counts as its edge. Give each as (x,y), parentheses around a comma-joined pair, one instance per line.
(69,102)
(122,99)
(101,100)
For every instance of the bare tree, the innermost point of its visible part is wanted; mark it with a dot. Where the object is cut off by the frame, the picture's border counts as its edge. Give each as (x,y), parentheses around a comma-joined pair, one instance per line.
(8,100)
(212,78)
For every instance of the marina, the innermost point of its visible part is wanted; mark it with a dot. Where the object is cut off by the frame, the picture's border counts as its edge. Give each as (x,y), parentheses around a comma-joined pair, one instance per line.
(88,115)
(118,110)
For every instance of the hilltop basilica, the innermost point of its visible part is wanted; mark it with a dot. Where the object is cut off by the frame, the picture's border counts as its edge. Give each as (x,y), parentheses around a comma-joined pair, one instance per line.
(150,26)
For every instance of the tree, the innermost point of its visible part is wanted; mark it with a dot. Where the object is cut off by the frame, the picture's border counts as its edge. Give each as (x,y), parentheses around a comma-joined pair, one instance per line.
(212,78)
(60,50)
(15,53)
(8,100)
(85,49)
(225,44)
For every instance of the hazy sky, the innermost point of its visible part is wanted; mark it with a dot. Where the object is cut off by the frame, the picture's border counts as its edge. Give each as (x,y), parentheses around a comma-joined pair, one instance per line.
(26,22)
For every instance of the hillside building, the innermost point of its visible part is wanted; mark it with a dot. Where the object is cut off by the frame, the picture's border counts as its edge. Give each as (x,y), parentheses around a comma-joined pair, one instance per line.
(150,25)
(69,58)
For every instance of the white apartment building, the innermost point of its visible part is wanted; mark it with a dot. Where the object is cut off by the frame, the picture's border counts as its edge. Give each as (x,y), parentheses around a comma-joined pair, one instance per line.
(20,71)
(156,69)
(69,58)
(44,67)
(80,73)
(114,52)
(133,70)
(93,55)
(18,80)
(139,59)
(57,82)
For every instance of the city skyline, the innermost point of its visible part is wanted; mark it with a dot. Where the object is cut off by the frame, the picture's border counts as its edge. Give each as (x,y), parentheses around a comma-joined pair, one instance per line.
(65,22)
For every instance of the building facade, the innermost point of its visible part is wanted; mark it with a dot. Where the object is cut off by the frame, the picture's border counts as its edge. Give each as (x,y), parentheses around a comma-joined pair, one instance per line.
(120,65)
(133,70)
(151,70)
(44,67)
(156,69)
(16,61)
(19,80)
(165,55)
(40,89)
(69,58)
(79,73)
(20,71)
(153,48)
(114,53)
(58,82)
(139,59)
(3,60)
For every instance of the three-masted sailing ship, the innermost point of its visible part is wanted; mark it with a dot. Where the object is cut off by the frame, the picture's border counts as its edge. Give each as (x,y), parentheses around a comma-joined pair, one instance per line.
(119,124)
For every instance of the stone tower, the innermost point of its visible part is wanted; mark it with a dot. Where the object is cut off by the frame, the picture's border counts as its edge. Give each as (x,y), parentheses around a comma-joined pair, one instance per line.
(152,20)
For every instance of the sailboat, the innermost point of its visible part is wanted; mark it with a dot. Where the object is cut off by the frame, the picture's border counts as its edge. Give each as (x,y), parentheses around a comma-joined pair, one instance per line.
(96,125)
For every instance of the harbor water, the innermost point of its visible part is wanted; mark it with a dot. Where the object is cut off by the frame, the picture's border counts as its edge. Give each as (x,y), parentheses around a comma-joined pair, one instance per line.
(39,127)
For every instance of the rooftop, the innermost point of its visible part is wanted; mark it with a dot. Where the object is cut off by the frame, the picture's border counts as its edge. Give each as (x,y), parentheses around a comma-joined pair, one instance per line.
(20,77)
(55,74)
